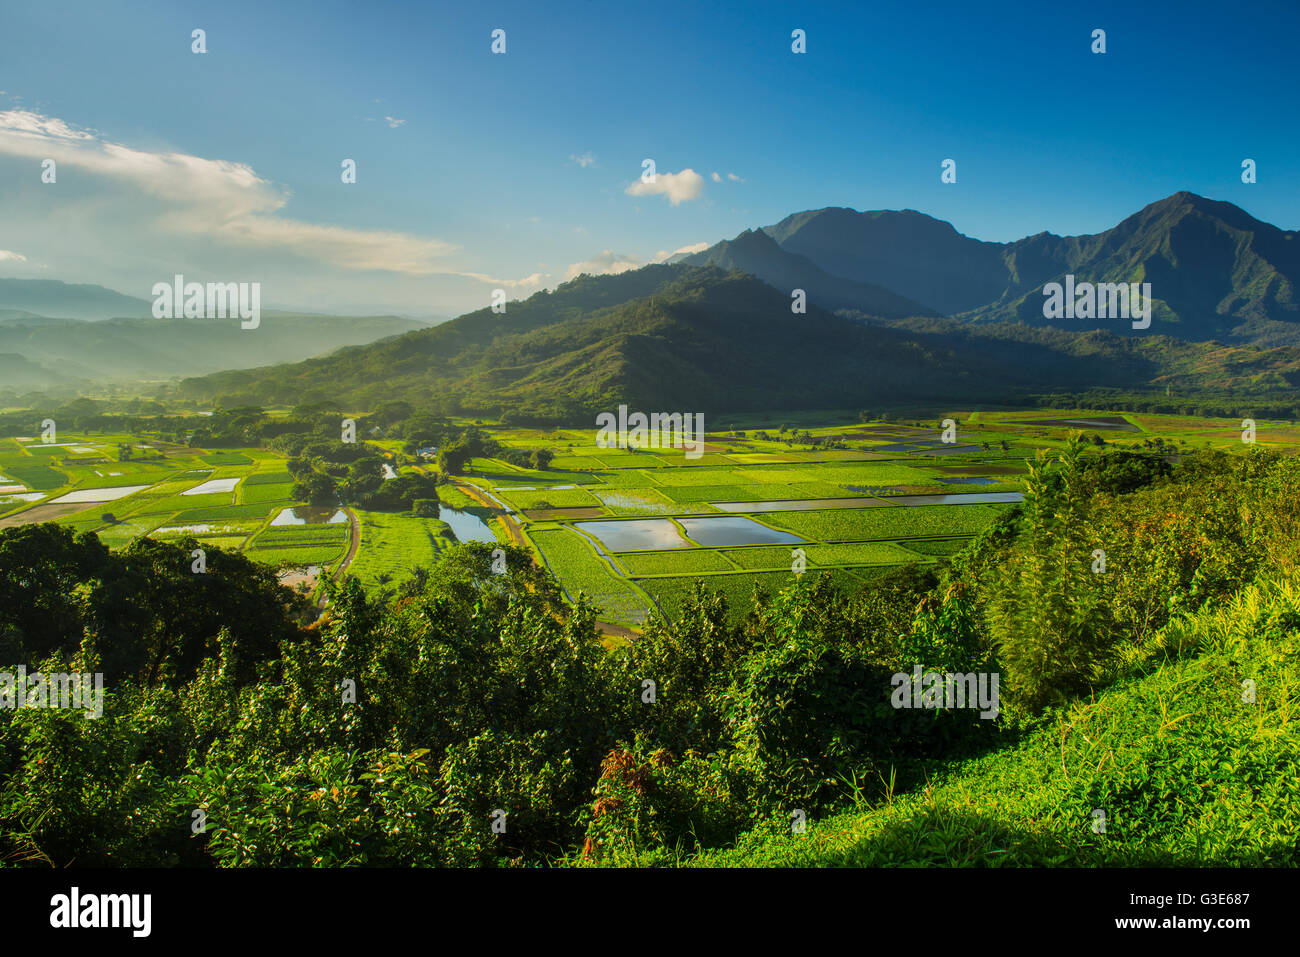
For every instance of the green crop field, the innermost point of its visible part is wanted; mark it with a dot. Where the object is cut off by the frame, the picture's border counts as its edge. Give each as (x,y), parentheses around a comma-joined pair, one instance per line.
(38,477)
(572,560)
(674,561)
(311,554)
(893,522)
(764,556)
(269,478)
(254,494)
(943,546)
(217,513)
(854,543)
(226,458)
(703,494)
(393,544)
(737,589)
(286,535)
(558,498)
(662,482)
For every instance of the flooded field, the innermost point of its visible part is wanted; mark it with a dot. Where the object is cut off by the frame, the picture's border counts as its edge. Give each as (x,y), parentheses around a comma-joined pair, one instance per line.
(735,531)
(626,499)
(466,526)
(213,485)
(98,494)
(635,534)
(310,515)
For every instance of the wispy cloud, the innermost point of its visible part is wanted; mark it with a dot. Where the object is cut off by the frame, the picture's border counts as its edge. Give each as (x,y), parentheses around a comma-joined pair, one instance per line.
(716,177)
(213,199)
(536,279)
(393,122)
(609,263)
(678,187)
(583,159)
(7,256)
(734,178)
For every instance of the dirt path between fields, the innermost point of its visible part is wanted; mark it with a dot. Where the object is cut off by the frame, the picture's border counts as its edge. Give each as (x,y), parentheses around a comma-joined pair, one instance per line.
(354,543)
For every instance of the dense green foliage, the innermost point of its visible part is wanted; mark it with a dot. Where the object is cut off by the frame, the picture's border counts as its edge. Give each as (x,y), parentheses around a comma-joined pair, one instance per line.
(402,726)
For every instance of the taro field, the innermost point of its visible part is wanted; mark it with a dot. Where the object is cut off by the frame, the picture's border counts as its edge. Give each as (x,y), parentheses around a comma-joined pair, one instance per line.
(633,530)
(235,500)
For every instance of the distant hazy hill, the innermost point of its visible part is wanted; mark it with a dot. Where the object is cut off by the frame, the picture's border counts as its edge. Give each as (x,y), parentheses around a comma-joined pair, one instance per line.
(49,297)
(57,350)
(20,374)
(1215,271)
(756,253)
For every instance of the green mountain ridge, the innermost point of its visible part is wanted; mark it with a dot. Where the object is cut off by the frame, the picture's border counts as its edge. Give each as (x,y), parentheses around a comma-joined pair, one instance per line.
(693,337)
(1215,271)
(756,253)
(703,339)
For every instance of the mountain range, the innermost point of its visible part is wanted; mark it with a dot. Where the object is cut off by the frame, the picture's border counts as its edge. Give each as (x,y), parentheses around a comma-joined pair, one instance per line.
(900,307)
(63,300)
(1215,271)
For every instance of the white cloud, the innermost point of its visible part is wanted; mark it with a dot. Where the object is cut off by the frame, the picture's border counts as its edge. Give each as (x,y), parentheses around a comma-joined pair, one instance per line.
(209,199)
(716,177)
(606,263)
(678,187)
(536,279)
(11,257)
(584,159)
(393,122)
(734,178)
(609,263)
(686,250)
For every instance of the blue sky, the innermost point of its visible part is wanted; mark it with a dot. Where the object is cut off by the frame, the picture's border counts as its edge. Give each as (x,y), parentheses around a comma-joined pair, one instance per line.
(477,170)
